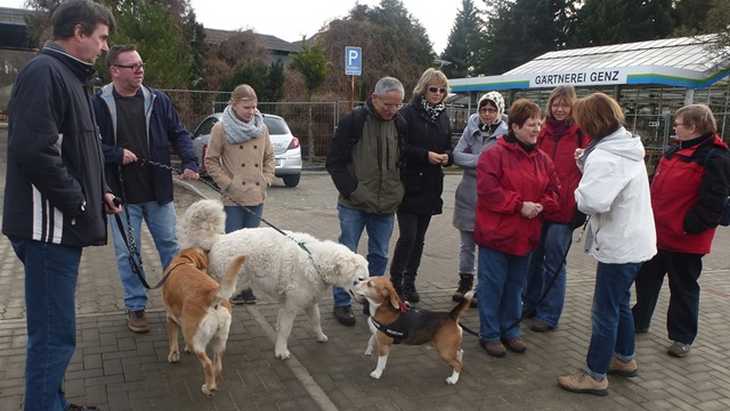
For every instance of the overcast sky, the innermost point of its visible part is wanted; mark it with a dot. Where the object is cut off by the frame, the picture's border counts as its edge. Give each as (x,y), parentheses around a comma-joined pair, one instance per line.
(290,19)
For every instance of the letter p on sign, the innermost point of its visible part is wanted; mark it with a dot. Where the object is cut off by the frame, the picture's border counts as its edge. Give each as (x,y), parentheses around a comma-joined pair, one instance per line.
(353,61)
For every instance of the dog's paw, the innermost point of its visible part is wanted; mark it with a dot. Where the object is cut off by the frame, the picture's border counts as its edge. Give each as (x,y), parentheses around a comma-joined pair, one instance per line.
(376,374)
(369,351)
(188,349)
(322,338)
(208,391)
(173,357)
(282,354)
(452,379)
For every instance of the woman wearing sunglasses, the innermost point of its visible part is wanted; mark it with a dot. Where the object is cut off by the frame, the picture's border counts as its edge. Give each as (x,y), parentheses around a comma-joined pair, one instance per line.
(426,149)
(481,132)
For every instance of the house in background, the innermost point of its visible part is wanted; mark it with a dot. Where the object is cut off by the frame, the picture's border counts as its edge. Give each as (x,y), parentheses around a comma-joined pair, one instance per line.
(15,50)
(279,49)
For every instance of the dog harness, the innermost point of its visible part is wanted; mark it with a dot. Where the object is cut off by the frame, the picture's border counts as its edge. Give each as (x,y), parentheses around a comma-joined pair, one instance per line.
(413,327)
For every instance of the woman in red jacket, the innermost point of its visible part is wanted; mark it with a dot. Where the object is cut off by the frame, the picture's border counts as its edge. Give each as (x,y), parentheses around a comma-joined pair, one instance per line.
(559,138)
(688,193)
(516,183)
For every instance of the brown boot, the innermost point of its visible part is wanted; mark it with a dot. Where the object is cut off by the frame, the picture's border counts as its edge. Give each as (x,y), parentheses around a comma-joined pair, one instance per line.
(137,322)
(493,348)
(583,383)
(516,345)
(623,369)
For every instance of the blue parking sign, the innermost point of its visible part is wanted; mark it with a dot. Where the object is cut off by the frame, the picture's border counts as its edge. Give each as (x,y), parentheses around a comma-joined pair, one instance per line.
(353,61)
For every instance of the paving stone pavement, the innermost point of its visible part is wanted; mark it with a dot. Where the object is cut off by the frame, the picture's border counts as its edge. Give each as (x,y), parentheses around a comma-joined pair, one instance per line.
(119,370)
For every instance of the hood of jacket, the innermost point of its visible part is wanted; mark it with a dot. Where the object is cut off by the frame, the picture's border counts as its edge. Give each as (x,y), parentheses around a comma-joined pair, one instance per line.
(107,94)
(622,144)
(472,126)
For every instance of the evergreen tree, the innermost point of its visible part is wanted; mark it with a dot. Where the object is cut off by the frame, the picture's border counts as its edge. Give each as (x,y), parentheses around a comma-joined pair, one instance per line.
(311,62)
(465,43)
(689,16)
(602,22)
(524,29)
(718,21)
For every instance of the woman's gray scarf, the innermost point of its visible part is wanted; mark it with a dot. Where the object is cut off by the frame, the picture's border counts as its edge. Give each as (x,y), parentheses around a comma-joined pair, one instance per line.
(238,131)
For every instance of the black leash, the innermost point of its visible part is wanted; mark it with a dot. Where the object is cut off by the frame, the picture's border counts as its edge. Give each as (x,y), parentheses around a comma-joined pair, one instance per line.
(134,257)
(531,311)
(215,188)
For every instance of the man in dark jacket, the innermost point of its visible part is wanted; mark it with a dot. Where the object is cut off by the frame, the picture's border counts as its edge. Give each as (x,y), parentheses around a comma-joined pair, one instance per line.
(139,122)
(55,195)
(364,162)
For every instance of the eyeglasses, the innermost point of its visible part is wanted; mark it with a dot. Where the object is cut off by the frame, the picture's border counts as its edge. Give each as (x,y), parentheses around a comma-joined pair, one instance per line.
(135,67)
(488,110)
(437,90)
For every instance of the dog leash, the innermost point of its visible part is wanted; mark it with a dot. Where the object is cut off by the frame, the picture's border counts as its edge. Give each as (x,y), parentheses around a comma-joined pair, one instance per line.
(530,311)
(134,257)
(215,188)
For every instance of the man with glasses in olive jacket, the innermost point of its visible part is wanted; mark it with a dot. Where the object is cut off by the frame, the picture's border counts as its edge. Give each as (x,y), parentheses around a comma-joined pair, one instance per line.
(364,161)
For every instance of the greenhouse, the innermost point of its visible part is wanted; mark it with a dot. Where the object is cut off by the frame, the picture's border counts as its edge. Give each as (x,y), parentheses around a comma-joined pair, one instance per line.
(650,79)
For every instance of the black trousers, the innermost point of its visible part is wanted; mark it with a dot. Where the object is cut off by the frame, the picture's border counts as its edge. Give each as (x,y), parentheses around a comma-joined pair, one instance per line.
(684,302)
(409,248)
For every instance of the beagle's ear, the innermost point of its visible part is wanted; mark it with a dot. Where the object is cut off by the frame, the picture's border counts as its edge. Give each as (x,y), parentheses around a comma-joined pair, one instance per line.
(392,295)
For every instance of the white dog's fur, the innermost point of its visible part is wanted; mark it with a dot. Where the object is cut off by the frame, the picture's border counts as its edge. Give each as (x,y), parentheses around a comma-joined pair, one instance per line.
(275,264)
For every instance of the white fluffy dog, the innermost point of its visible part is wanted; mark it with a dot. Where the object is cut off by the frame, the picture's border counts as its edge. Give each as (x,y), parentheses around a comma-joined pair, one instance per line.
(275,264)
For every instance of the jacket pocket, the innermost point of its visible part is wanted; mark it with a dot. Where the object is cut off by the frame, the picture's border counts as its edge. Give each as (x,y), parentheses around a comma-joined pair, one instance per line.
(412,181)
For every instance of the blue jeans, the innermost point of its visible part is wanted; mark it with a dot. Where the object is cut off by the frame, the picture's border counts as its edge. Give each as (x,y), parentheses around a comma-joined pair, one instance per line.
(612,322)
(379,228)
(499,292)
(160,220)
(547,261)
(50,284)
(238,218)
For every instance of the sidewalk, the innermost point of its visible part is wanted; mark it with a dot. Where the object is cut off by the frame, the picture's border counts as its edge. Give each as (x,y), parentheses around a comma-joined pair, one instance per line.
(118,370)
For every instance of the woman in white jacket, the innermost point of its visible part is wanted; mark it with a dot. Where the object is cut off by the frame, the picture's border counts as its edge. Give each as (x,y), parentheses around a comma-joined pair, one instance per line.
(614,192)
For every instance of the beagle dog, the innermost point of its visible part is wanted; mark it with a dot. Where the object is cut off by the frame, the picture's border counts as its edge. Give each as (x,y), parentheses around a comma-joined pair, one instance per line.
(392,322)
(198,305)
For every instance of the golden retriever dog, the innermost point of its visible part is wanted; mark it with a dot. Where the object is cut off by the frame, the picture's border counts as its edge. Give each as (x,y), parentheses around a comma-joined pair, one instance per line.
(199,306)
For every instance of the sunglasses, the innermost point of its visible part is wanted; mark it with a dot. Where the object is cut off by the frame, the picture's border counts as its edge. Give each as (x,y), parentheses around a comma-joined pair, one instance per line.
(135,67)
(437,90)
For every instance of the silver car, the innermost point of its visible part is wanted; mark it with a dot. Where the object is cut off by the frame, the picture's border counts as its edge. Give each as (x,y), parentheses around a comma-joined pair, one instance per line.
(287,150)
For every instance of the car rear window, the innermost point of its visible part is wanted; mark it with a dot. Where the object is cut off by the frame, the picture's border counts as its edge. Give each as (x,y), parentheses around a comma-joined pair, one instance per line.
(205,127)
(276,125)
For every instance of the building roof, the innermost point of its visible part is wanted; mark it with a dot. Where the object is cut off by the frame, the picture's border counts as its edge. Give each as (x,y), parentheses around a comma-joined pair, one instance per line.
(681,62)
(215,36)
(14,16)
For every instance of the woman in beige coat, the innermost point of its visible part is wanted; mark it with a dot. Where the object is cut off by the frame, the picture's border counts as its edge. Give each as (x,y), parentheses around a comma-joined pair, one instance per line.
(240,160)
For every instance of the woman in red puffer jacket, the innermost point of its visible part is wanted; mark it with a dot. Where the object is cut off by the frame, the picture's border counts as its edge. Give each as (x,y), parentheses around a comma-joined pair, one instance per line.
(516,184)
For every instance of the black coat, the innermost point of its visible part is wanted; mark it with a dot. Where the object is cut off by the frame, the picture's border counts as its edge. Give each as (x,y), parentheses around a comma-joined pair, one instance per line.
(422,180)
(55,173)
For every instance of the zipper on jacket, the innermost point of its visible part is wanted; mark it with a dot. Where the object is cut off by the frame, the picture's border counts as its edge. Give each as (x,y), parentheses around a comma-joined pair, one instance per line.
(379,146)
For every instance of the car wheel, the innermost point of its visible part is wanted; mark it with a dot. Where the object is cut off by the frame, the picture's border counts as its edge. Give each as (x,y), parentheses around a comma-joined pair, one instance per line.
(291,180)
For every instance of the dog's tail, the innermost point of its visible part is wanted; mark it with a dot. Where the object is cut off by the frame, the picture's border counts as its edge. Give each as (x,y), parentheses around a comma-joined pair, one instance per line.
(202,223)
(456,312)
(230,278)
